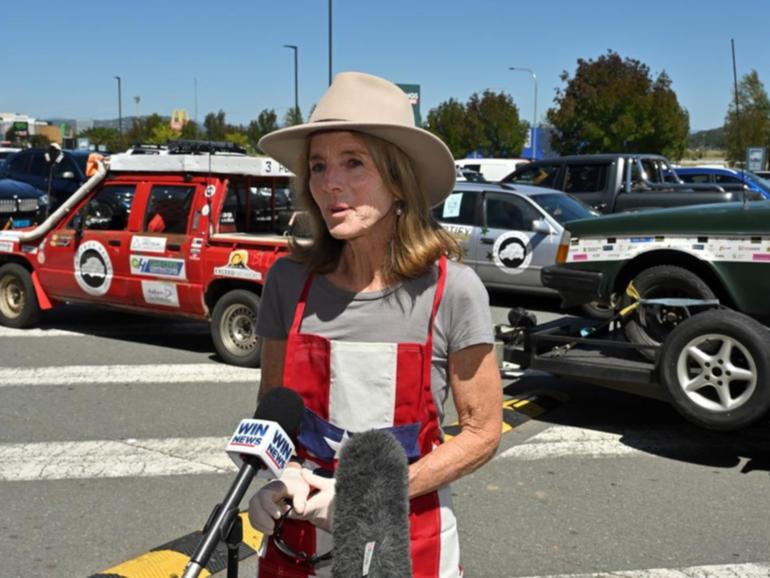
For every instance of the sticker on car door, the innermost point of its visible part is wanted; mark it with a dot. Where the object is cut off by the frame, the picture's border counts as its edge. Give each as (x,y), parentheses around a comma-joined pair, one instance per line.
(512,252)
(93,268)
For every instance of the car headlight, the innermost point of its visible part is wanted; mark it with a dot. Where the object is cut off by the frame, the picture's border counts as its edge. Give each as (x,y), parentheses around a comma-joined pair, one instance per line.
(42,201)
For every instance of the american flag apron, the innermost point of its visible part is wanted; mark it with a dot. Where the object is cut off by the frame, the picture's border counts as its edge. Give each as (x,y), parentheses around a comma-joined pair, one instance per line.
(350,387)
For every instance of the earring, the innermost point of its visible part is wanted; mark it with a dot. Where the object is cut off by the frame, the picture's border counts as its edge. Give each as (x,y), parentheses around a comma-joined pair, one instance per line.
(399,210)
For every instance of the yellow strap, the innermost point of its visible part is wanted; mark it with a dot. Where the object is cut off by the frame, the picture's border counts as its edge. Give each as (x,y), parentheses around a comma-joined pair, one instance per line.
(633,293)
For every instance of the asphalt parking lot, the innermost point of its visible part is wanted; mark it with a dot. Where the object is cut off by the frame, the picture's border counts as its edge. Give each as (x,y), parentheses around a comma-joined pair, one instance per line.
(112,437)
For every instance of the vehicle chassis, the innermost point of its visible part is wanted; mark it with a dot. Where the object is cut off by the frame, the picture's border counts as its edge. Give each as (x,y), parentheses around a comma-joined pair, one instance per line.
(595,351)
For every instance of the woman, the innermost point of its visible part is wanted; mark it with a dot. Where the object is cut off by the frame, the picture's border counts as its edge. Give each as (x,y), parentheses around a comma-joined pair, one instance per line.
(372,325)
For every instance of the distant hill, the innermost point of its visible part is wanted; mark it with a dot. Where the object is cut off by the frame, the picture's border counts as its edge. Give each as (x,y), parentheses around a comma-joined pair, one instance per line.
(708,139)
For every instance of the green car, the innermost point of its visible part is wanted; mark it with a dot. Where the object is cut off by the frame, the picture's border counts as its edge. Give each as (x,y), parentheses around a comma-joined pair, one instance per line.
(692,286)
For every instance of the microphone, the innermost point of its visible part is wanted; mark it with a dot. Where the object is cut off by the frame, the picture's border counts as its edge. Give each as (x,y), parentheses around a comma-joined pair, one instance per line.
(371,511)
(258,443)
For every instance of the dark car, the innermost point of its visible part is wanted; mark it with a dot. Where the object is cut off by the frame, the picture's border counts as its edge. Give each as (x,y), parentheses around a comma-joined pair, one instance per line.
(21,205)
(692,287)
(59,179)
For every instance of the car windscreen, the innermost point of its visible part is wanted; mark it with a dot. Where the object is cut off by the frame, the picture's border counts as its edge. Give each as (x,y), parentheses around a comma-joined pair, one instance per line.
(563,207)
(762,182)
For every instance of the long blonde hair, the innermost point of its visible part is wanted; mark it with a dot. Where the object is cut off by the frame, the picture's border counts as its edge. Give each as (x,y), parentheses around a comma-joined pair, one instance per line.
(418,240)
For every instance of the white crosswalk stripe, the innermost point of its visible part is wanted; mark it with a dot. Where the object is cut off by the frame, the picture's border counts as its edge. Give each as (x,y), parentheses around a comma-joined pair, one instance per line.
(576,442)
(114,459)
(715,571)
(108,331)
(125,374)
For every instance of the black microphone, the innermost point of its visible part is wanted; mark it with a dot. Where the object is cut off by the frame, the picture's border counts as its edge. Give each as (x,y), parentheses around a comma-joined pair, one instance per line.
(279,414)
(371,510)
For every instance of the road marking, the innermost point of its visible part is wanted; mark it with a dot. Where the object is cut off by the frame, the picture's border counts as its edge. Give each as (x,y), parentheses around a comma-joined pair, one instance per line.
(111,330)
(562,441)
(171,558)
(114,459)
(516,411)
(570,441)
(125,374)
(715,571)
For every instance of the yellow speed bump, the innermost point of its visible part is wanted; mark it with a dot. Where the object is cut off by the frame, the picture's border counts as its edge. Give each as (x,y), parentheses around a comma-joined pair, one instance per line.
(169,560)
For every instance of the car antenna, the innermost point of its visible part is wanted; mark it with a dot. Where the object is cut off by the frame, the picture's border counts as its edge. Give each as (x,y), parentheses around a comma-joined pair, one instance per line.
(738,125)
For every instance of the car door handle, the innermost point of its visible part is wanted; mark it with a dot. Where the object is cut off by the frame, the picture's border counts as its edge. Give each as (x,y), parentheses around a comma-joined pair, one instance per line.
(173,246)
(487,241)
(114,242)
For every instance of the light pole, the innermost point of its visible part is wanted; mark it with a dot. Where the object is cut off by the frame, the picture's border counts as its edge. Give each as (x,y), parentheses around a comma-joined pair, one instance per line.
(296,83)
(534,117)
(120,107)
(330,42)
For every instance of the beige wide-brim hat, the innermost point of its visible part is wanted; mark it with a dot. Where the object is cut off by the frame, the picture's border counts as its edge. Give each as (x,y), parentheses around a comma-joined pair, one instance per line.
(372,105)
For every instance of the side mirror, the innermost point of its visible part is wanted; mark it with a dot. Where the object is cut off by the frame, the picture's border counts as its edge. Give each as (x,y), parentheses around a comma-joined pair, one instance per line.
(541,226)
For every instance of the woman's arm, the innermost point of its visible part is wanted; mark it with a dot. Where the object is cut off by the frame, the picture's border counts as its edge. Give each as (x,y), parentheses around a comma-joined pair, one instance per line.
(273,355)
(477,393)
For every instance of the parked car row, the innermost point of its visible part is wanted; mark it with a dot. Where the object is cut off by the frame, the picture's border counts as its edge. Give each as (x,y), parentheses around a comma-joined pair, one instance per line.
(727,178)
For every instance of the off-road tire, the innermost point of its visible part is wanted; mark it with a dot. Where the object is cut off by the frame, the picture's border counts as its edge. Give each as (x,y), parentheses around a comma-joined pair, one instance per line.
(716,368)
(18,302)
(234,326)
(641,327)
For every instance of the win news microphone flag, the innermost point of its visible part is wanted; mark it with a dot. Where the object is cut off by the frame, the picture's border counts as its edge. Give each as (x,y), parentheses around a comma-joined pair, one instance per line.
(264,442)
(371,515)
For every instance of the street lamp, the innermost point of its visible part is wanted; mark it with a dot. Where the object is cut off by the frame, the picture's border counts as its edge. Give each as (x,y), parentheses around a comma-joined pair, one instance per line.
(534,117)
(330,42)
(296,82)
(120,107)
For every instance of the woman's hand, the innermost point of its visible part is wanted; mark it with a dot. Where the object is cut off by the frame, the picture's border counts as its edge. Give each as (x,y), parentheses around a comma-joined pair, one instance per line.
(319,509)
(273,499)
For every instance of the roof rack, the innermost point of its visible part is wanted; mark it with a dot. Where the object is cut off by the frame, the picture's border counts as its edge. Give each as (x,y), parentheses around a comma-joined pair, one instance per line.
(201,147)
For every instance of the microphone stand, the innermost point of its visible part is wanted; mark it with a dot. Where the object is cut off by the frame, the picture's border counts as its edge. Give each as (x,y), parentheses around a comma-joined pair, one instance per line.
(224,523)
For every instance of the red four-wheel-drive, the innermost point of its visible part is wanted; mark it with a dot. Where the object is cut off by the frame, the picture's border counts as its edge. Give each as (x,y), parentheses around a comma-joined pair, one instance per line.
(184,235)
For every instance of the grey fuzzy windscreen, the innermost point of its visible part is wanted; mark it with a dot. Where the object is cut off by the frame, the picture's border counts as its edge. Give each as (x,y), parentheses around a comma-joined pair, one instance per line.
(371,512)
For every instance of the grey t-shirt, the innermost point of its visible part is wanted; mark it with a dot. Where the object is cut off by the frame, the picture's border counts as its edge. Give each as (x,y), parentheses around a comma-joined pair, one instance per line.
(398,314)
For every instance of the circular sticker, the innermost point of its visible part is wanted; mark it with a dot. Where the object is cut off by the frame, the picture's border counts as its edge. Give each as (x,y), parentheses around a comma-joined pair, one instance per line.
(512,253)
(205,211)
(93,268)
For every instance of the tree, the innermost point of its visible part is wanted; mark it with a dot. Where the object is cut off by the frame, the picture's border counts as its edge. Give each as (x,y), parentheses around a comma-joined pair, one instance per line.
(239,138)
(190,130)
(613,104)
(266,122)
(143,129)
(448,122)
(161,134)
(39,141)
(107,137)
(293,117)
(753,130)
(488,123)
(494,125)
(216,126)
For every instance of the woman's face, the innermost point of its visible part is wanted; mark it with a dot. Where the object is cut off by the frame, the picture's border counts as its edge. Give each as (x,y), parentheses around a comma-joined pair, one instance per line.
(347,187)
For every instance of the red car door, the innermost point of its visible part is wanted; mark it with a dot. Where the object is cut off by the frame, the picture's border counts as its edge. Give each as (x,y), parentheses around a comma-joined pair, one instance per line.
(87,258)
(165,254)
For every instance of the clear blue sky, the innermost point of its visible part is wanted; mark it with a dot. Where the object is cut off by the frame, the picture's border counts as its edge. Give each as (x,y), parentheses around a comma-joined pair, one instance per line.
(59,58)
